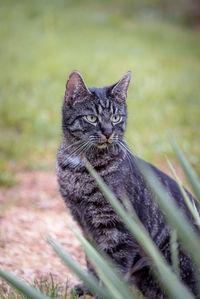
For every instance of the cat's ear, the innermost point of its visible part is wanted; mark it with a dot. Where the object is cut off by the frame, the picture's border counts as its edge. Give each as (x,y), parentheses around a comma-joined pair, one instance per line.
(76,88)
(119,90)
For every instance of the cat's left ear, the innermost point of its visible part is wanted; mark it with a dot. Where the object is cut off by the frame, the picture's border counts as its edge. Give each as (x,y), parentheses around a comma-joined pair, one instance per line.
(76,88)
(120,89)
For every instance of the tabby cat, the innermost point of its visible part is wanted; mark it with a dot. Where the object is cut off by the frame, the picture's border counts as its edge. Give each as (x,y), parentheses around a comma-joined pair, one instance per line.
(94,122)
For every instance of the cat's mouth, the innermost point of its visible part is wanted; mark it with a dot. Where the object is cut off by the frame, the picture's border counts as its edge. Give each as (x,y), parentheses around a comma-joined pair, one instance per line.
(102,145)
(105,141)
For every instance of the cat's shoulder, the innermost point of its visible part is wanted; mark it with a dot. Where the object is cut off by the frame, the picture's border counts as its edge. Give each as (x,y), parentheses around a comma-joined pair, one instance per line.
(161,175)
(168,182)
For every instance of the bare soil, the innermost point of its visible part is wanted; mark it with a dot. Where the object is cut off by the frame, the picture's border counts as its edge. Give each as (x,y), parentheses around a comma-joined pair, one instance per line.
(29,212)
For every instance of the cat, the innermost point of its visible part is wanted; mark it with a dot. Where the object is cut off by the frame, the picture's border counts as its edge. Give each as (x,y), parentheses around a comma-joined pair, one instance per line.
(93,123)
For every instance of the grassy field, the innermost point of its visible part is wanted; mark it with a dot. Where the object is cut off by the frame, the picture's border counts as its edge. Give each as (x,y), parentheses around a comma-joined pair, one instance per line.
(43,41)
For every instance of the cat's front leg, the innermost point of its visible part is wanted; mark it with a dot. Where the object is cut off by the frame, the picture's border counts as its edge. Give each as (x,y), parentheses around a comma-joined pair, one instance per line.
(122,255)
(81,289)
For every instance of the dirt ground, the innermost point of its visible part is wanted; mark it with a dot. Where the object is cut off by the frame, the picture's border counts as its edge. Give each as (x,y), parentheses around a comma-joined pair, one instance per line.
(29,211)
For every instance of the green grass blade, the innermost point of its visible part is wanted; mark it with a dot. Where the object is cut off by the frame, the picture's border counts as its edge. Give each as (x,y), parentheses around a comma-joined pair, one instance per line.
(186,234)
(189,172)
(106,271)
(174,252)
(190,204)
(167,279)
(89,280)
(20,285)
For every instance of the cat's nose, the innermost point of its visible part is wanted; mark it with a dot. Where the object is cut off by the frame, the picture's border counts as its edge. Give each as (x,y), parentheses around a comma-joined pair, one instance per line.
(107,132)
(107,135)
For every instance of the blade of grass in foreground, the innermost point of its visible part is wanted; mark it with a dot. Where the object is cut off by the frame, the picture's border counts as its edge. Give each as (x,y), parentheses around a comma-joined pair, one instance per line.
(167,279)
(189,172)
(20,285)
(106,271)
(174,252)
(89,280)
(177,220)
(191,205)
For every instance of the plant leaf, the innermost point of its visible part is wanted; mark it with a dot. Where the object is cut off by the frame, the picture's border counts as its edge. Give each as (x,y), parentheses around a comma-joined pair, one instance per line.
(174,252)
(90,281)
(189,172)
(106,271)
(190,204)
(174,216)
(20,285)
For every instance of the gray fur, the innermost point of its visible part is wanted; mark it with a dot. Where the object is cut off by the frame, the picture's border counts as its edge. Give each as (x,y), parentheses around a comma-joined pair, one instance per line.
(115,164)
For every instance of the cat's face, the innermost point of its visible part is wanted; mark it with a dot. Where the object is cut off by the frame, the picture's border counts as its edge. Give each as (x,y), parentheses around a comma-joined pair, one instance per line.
(94,117)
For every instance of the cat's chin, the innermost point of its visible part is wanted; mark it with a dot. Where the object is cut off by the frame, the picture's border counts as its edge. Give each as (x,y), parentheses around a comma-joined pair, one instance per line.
(102,145)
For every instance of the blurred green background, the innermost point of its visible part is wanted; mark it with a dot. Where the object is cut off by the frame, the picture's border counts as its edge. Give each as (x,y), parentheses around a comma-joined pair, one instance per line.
(42,41)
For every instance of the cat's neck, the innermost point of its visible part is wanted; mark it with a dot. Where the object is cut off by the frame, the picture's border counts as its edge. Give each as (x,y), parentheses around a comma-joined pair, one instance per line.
(100,157)
(96,157)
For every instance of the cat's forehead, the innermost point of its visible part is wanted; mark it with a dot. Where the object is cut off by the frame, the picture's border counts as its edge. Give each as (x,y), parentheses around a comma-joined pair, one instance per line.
(100,95)
(103,103)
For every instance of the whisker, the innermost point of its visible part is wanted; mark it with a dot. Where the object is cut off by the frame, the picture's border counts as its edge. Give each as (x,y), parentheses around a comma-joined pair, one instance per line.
(71,154)
(125,142)
(128,154)
(93,138)
(84,148)
(78,149)
(79,141)
(132,155)
(87,148)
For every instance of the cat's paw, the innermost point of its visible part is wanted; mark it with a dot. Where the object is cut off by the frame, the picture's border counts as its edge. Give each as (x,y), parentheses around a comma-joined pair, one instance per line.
(80,290)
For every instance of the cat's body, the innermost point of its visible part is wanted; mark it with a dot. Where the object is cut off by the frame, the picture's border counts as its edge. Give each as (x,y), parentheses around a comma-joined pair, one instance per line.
(117,168)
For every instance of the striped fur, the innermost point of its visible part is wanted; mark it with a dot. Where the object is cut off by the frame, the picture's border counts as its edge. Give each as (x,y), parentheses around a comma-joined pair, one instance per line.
(116,166)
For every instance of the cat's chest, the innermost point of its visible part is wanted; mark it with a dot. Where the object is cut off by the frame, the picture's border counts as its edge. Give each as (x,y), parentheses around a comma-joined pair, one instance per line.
(76,183)
(79,186)
(76,179)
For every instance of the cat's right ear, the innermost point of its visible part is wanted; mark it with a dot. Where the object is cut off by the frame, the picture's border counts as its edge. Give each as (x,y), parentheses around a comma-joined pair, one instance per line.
(76,88)
(120,89)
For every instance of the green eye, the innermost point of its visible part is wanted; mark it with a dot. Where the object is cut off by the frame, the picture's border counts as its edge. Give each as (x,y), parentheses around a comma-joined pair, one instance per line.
(116,118)
(91,118)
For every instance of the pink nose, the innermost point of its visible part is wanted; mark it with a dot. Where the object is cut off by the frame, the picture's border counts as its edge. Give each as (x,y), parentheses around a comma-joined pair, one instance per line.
(107,132)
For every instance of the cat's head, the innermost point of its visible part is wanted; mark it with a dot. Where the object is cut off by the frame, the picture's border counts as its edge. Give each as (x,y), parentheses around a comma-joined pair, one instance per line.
(94,117)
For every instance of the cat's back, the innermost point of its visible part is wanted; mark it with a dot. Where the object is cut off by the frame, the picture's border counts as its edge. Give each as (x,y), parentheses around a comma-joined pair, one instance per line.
(172,188)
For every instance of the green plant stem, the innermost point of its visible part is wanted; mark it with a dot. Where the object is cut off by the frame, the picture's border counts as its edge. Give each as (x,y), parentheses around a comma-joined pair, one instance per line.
(189,172)
(174,252)
(191,205)
(89,280)
(107,271)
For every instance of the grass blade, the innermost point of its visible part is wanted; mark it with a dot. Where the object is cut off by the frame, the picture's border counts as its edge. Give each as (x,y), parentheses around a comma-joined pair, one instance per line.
(89,280)
(189,172)
(167,279)
(106,271)
(20,285)
(186,234)
(174,252)
(190,204)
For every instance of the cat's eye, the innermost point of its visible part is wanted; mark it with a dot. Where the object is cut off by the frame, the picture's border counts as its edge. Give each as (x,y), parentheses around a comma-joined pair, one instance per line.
(116,118)
(91,118)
